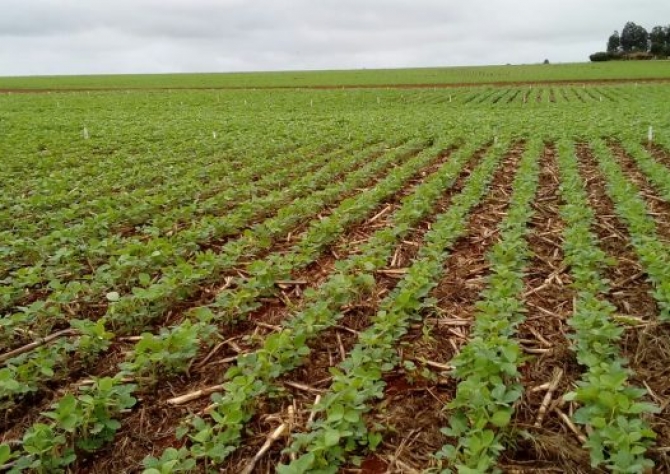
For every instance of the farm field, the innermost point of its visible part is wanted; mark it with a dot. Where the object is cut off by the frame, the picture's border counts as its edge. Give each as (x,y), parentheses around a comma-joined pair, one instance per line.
(466,280)
(419,77)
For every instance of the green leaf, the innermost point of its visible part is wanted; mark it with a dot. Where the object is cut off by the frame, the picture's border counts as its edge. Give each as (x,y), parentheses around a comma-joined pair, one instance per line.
(501,418)
(299,466)
(374,439)
(5,454)
(331,437)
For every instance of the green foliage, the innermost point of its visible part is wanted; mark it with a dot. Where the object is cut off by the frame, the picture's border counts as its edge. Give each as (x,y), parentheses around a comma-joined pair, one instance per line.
(171,461)
(133,223)
(79,423)
(610,407)
(170,351)
(25,373)
(634,38)
(614,43)
(343,428)
(46,451)
(636,43)
(658,41)
(487,366)
(601,56)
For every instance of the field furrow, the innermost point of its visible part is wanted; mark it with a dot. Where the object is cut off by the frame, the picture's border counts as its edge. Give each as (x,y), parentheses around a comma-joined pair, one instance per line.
(548,297)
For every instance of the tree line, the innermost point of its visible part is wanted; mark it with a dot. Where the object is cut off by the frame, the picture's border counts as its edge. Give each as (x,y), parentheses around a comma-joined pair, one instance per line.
(635,42)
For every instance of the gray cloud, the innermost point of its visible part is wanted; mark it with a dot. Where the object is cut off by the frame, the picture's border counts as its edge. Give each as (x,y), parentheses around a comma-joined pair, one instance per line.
(126,36)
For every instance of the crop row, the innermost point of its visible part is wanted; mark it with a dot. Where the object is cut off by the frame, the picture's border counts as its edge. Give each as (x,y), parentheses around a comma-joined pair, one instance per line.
(254,374)
(104,171)
(155,263)
(341,426)
(611,408)
(155,213)
(53,202)
(631,208)
(530,96)
(23,373)
(263,275)
(155,350)
(657,173)
(487,367)
(77,250)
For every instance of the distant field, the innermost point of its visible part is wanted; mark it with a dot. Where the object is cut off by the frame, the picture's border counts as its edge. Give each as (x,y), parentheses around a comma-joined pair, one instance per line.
(615,71)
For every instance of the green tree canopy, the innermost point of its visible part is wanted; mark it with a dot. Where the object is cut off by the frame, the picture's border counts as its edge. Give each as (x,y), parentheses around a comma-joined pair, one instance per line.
(657,40)
(634,38)
(635,42)
(614,43)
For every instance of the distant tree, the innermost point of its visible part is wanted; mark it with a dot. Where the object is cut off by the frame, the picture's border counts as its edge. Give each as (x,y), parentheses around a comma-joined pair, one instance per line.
(614,43)
(546,61)
(635,43)
(634,38)
(600,56)
(657,40)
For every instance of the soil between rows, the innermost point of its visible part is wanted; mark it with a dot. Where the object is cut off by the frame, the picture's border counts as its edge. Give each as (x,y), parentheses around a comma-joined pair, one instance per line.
(648,346)
(659,153)
(550,446)
(631,293)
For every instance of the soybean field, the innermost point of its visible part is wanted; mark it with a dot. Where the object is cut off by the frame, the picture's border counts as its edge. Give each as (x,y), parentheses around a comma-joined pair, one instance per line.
(361,280)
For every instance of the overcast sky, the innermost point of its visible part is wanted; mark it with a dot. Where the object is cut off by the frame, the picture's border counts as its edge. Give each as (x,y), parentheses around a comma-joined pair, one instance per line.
(142,36)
